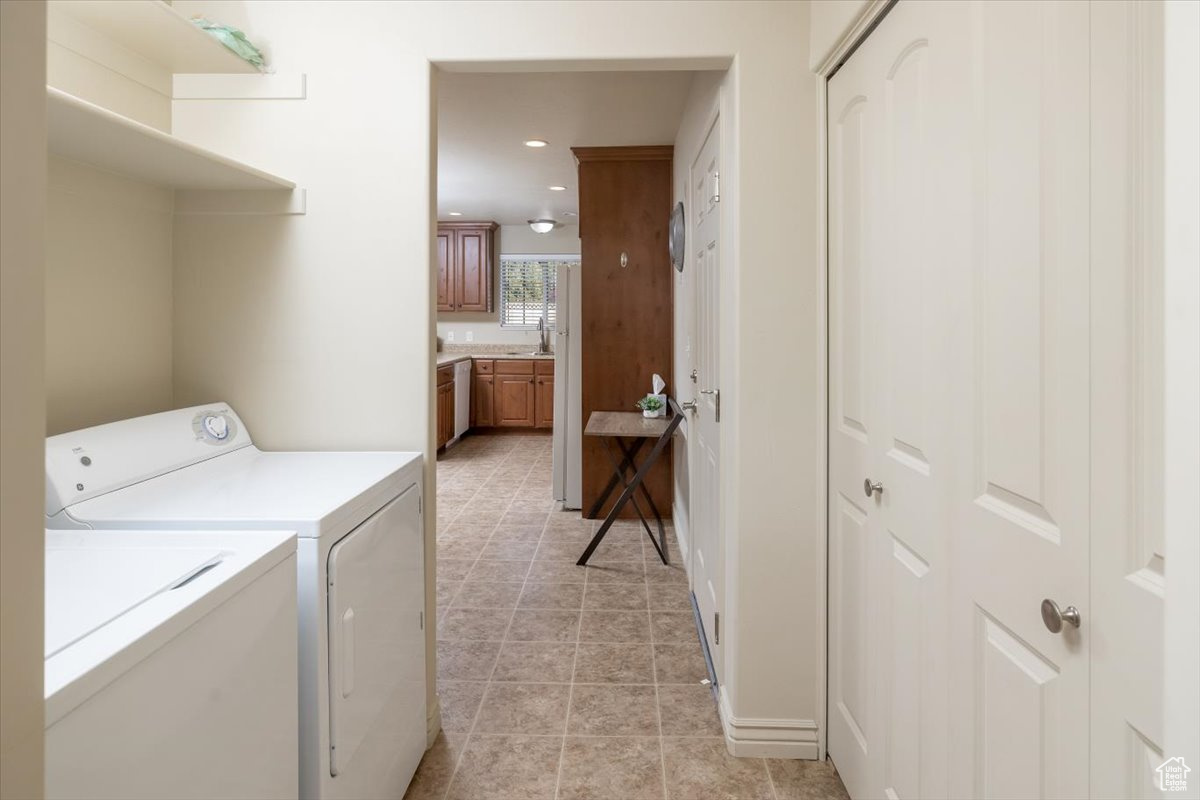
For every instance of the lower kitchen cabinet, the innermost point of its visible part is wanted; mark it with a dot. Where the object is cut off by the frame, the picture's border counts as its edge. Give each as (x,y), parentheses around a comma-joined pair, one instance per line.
(512,393)
(445,405)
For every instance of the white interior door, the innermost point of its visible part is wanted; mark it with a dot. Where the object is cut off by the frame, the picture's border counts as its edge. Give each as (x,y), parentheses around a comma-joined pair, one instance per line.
(704,427)
(964,352)
(563,431)
(1021,508)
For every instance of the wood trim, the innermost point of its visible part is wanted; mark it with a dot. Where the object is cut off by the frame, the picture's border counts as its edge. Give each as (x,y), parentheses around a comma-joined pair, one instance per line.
(656,152)
(489,226)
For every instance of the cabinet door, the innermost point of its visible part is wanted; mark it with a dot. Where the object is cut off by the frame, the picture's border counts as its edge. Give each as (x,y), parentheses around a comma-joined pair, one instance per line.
(473,270)
(481,401)
(445,413)
(545,401)
(445,275)
(514,401)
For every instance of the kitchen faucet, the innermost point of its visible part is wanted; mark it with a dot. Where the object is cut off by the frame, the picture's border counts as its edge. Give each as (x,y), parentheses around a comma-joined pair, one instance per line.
(543,345)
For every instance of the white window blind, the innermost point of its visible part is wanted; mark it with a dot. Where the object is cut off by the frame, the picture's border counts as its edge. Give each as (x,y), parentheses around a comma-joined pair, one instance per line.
(528,290)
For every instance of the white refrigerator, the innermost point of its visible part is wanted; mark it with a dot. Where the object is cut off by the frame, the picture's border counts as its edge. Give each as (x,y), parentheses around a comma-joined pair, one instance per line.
(568,403)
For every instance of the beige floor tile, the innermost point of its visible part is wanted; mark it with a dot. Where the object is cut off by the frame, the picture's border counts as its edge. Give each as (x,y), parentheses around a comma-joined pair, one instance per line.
(806,780)
(485,570)
(488,594)
(615,626)
(674,626)
(611,768)
(507,768)
(613,710)
(688,710)
(524,708)
(480,517)
(517,533)
(478,624)
(615,572)
(657,572)
(563,596)
(543,625)
(679,663)
(446,590)
(615,596)
(601,662)
(553,548)
(525,518)
(703,769)
(466,661)
(461,548)
(535,662)
(557,572)
(459,701)
(669,597)
(614,548)
(436,768)
(509,550)
(454,569)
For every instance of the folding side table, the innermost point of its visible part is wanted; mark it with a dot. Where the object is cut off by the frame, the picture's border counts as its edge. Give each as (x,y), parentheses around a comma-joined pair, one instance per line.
(624,433)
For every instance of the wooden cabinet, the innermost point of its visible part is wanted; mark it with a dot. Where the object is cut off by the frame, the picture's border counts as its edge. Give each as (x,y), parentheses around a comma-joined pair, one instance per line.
(625,319)
(512,393)
(514,397)
(481,395)
(445,404)
(466,253)
(543,394)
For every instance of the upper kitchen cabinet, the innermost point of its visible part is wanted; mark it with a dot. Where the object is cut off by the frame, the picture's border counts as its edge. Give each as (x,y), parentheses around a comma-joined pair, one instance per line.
(466,265)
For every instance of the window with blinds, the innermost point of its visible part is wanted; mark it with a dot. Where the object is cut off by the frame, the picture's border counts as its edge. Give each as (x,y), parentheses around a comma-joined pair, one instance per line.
(528,290)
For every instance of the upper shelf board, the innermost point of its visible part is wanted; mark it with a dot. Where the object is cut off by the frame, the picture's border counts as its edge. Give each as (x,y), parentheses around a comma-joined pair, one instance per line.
(157,32)
(85,132)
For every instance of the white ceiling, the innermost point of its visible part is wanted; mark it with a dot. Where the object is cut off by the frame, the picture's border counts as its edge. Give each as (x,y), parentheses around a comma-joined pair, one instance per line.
(486,171)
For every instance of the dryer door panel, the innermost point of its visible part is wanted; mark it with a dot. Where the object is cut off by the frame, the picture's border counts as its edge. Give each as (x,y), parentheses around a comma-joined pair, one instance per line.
(376,641)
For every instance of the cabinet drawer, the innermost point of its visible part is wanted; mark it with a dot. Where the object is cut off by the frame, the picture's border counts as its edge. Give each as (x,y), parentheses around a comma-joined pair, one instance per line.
(445,375)
(506,366)
(484,366)
(544,367)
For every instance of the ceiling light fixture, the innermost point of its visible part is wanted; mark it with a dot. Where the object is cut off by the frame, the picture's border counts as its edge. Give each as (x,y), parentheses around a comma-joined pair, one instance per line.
(570,214)
(541,225)
(536,143)
(456,213)
(557,188)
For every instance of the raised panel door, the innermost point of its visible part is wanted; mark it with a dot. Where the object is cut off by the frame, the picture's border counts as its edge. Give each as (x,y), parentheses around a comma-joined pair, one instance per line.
(473,270)
(481,401)
(445,273)
(544,401)
(513,403)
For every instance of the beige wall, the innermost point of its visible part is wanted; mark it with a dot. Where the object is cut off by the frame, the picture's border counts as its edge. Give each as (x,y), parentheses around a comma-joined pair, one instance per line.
(513,239)
(108,297)
(830,21)
(22,396)
(322,332)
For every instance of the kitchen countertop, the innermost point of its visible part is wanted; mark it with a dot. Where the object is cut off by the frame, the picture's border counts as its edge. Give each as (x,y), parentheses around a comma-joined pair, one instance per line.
(453,358)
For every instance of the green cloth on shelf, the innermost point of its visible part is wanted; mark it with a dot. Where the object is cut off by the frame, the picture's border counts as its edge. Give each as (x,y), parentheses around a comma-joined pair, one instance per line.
(232,38)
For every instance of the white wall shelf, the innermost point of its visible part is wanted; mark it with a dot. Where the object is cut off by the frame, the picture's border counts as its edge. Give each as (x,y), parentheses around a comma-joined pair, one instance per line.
(157,32)
(85,132)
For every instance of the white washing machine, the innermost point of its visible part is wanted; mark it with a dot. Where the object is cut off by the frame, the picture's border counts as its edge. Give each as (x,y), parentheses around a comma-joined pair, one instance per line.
(171,665)
(361,588)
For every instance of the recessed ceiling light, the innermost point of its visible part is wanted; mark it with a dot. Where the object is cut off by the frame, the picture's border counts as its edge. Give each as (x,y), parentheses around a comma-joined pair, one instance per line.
(456,213)
(557,188)
(570,214)
(536,143)
(541,225)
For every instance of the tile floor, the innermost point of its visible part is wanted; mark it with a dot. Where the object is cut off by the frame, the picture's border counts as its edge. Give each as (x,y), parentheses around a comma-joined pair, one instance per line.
(558,681)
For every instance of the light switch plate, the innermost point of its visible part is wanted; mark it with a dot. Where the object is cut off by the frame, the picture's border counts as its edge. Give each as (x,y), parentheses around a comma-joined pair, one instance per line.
(470,336)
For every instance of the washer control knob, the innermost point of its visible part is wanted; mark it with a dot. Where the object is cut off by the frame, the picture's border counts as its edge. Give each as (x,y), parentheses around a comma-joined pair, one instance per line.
(216,426)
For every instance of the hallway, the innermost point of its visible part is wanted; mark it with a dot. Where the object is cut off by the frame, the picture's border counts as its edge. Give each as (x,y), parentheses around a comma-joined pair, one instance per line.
(564,682)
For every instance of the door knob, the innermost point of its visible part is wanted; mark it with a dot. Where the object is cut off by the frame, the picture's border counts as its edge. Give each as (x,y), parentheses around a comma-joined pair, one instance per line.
(870,487)
(1054,617)
(694,374)
(690,405)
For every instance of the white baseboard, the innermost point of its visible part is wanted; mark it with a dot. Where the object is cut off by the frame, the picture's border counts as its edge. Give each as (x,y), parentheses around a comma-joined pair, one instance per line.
(433,722)
(769,738)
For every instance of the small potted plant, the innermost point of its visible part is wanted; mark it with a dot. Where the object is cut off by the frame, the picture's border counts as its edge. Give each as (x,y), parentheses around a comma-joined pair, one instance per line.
(652,406)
